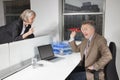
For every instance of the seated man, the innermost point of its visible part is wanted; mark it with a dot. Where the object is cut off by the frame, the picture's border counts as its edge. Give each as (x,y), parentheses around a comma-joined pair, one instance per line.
(94,53)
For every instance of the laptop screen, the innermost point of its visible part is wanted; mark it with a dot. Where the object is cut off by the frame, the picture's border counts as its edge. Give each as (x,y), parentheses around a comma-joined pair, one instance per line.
(45,51)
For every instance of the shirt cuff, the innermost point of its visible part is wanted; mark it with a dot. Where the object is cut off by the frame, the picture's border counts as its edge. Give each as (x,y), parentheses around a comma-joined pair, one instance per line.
(71,39)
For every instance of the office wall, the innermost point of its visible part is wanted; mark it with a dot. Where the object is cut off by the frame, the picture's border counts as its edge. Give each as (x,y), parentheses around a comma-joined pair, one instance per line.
(17,55)
(4,56)
(26,49)
(1,13)
(47,19)
(112,26)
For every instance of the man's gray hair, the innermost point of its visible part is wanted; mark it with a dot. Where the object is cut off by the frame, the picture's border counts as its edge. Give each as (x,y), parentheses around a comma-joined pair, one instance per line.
(90,22)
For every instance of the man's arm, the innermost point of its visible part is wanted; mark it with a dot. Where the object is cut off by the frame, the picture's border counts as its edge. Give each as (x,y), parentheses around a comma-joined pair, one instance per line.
(75,48)
(106,55)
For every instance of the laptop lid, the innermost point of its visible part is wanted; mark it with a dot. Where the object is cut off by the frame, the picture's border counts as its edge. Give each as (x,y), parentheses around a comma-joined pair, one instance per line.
(46,51)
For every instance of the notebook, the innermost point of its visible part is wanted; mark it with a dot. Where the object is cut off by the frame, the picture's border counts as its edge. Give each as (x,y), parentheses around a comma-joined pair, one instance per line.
(46,52)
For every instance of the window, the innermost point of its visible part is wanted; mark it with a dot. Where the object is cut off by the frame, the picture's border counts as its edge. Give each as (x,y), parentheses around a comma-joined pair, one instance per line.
(77,11)
(13,8)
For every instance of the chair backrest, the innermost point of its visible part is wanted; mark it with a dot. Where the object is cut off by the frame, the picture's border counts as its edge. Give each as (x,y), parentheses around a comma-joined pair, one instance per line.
(110,68)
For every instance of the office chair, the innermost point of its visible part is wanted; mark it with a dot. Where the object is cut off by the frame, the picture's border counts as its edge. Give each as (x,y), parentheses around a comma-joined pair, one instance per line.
(110,69)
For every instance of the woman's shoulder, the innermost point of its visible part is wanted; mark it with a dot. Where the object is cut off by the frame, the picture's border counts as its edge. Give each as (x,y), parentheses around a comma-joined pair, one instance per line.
(18,21)
(15,23)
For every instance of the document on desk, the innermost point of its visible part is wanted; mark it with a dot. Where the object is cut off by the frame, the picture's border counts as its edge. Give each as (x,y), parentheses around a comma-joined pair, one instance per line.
(49,71)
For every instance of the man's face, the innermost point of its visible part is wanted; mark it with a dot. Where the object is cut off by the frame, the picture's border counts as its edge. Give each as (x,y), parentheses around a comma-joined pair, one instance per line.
(87,30)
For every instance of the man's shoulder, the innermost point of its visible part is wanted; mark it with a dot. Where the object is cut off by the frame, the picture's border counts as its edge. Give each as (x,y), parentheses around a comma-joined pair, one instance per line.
(98,36)
(99,39)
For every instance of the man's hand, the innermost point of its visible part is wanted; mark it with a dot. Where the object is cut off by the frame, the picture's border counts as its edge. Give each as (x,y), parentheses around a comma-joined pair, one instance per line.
(90,68)
(73,34)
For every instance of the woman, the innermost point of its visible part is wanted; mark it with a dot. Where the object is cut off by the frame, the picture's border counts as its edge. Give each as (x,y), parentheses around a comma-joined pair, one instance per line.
(19,29)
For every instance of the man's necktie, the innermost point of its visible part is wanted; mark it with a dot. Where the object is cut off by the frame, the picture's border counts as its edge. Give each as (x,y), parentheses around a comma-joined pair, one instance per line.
(85,53)
(87,47)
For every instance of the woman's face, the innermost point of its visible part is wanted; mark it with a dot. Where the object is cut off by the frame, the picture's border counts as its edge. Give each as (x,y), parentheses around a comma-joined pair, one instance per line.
(30,20)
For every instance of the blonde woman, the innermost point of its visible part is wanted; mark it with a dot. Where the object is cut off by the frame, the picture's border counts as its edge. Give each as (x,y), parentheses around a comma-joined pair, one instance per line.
(19,29)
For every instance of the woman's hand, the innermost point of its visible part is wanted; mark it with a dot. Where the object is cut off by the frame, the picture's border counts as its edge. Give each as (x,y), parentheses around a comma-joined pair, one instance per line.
(31,30)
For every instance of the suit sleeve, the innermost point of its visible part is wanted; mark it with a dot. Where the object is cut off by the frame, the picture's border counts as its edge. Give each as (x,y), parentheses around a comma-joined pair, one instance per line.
(75,48)
(17,36)
(16,31)
(105,53)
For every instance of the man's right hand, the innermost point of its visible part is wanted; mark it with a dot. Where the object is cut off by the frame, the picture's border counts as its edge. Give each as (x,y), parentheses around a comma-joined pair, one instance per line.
(73,34)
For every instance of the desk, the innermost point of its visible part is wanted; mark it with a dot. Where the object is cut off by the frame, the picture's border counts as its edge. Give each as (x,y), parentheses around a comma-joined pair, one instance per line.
(58,70)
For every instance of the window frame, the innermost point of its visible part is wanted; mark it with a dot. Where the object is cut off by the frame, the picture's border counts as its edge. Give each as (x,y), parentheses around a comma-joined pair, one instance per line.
(82,13)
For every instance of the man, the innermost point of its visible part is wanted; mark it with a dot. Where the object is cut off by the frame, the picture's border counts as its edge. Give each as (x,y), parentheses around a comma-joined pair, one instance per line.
(95,51)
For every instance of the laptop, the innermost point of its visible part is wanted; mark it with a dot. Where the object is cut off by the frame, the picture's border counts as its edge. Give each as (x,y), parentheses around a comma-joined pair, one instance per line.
(46,52)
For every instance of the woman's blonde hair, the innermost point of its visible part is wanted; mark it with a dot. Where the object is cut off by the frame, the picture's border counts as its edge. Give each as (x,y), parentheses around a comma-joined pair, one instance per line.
(26,14)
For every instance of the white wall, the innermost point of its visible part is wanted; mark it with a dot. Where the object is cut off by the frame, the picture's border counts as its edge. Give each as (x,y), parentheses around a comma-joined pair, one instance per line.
(1,13)
(16,52)
(14,55)
(4,56)
(112,26)
(47,20)
(26,49)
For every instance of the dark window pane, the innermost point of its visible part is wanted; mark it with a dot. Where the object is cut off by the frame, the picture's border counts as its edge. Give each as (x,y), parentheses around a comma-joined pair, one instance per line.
(11,18)
(71,21)
(14,8)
